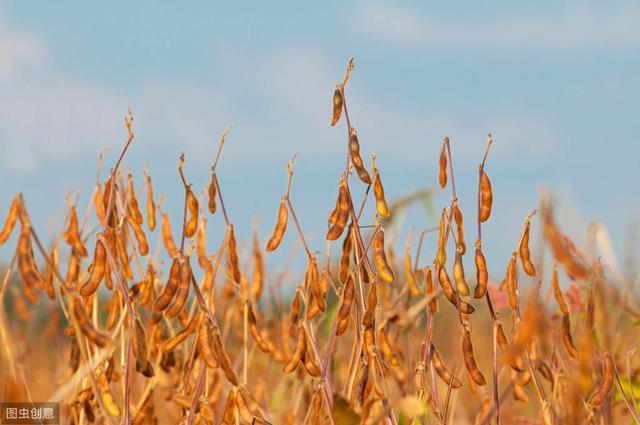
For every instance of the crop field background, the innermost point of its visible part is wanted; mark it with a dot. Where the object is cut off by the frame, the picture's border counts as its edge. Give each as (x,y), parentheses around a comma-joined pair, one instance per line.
(328,214)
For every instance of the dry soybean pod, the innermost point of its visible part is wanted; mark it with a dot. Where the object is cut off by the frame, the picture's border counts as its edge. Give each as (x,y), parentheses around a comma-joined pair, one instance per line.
(342,215)
(281,226)
(459,220)
(298,352)
(10,221)
(123,255)
(430,289)
(442,164)
(193,207)
(384,270)
(170,288)
(255,332)
(232,254)
(442,370)
(356,159)
(469,360)
(441,253)
(211,193)
(567,339)
(606,383)
(345,257)
(338,101)
(525,254)
(151,205)
(378,190)
(72,234)
(486,197)
(105,393)
(344,312)
(512,282)
(557,292)
(97,270)
(201,243)
(167,237)
(182,294)
(141,238)
(294,312)
(458,274)
(86,326)
(172,342)
(230,414)
(482,275)
(134,209)
(258,270)
(223,358)
(515,361)
(204,341)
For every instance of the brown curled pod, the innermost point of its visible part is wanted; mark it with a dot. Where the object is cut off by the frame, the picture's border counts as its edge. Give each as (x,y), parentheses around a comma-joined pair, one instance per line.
(173,342)
(378,191)
(205,344)
(171,287)
(211,193)
(72,233)
(470,361)
(281,226)
(345,257)
(192,221)
(567,339)
(486,197)
(309,362)
(356,159)
(369,333)
(141,238)
(441,252)
(29,273)
(445,284)
(223,359)
(201,243)
(232,254)
(47,278)
(344,312)
(298,352)
(167,237)
(514,360)
(246,414)
(557,292)
(86,326)
(134,209)
(458,274)
(429,289)
(459,220)
(384,270)
(606,383)
(97,270)
(151,205)
(123,255)
(342,215)
(321,290)
(98,204)
(482,275)
(294,313)
(512,282)
(143,365)
(525,254)
(255,332)
(442,370)
(338,101)
(114,309)
(258,270)
(442,164)
(182,294)
(10,221)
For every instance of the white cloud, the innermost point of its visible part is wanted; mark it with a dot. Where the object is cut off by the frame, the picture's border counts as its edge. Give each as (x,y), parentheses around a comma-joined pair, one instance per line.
(577,28)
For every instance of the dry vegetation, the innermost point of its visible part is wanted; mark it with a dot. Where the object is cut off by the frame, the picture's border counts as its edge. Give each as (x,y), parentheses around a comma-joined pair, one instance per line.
(372,336)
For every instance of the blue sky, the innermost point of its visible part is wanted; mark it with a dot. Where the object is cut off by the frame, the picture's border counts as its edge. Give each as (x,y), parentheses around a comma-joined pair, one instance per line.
(557,83)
